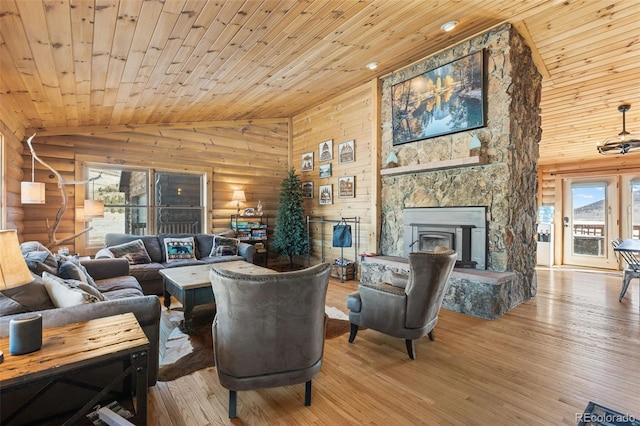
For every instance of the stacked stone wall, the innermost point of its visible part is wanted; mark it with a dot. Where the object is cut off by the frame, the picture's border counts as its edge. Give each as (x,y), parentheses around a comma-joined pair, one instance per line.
(505,183)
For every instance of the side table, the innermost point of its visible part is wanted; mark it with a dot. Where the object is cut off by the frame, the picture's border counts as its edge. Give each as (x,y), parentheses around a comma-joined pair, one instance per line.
(80,346)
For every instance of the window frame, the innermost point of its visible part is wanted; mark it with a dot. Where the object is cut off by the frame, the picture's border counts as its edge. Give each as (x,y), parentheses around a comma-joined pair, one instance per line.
(84,163)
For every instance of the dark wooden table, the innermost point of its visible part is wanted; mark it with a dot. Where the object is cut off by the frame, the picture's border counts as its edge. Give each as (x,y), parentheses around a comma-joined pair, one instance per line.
(80,346)
(191,285)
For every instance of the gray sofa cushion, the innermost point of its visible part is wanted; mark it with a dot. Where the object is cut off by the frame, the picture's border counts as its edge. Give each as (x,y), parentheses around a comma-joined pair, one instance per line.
(204,242)
(26,298)
(178,263)
(218,259)
(109,285)
(148,272)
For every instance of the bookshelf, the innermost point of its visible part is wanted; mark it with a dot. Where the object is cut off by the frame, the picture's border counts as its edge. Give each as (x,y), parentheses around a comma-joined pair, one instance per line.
(255,231)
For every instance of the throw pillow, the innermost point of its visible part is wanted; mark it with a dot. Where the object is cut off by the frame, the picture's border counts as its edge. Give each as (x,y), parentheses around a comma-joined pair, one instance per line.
(66,293)
(72,269)
(41,261)
(134,251)
(224,246)
(179,249)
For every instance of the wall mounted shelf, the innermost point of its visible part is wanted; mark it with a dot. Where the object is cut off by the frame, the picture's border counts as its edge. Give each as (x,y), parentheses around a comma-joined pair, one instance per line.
(434,165)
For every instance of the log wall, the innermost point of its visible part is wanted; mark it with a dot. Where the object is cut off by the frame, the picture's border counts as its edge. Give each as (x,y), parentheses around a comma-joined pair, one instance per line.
(247,155)
(351,116)
(12,211)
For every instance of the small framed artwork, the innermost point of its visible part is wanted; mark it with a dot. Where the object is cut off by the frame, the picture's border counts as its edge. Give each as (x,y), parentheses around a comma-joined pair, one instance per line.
(325,194)
(325,170)
(347,187)
(325,150)
(307,162)
(307,189)
(346,152)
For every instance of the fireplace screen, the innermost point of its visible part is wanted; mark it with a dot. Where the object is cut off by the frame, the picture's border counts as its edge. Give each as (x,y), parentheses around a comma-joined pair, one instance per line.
(429,241)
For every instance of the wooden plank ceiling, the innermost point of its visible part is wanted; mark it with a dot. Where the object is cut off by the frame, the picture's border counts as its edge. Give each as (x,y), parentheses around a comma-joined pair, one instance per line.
(76,66)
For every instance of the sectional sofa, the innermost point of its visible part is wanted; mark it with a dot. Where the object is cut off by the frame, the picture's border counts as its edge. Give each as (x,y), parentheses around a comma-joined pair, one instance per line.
(111,290)
(147,270)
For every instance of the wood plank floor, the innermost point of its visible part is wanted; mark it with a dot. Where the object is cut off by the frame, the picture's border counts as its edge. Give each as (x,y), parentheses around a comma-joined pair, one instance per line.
(540,364)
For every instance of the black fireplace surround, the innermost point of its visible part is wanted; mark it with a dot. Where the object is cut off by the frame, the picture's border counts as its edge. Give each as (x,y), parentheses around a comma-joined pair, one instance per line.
(463,229)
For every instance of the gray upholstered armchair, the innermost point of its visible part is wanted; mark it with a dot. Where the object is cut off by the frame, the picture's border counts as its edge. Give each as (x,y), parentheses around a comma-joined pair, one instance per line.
(408,309)
(269,329)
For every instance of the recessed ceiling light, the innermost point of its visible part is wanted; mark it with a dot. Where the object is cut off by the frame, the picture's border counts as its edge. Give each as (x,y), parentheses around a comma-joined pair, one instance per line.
(372,65)
(448,26)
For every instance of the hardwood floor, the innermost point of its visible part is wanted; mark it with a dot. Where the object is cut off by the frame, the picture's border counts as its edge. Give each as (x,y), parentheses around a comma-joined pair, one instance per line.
(540,364)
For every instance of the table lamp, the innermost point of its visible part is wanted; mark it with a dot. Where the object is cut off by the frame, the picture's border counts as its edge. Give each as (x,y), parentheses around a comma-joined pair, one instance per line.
(238,196)
(25,332)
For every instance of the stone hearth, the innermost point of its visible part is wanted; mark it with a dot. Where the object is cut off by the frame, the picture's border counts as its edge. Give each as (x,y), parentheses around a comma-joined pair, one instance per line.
(484,294)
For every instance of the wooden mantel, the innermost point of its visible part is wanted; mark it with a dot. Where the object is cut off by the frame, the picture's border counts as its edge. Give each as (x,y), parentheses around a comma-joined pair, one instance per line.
(433,165)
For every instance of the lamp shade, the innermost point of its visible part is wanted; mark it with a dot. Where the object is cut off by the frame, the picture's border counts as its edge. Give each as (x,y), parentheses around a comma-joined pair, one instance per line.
(93,208)
(13,268)
(238,196)
(32,192)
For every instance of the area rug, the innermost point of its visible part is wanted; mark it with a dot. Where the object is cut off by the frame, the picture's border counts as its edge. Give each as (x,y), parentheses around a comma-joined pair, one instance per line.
(186,353)
(597,415)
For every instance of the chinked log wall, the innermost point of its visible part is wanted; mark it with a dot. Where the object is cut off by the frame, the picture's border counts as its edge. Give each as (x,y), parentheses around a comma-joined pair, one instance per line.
(247,155)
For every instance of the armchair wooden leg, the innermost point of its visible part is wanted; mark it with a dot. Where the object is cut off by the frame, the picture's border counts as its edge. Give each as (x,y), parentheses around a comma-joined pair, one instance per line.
(307,393)
(354,331)
(233,399)
(431,336)
(410,348)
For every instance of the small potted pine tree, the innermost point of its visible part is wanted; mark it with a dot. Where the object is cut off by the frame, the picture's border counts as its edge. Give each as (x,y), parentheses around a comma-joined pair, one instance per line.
(290,234)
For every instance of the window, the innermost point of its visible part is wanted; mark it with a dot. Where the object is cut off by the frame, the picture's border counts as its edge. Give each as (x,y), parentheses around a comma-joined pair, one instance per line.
(145,201)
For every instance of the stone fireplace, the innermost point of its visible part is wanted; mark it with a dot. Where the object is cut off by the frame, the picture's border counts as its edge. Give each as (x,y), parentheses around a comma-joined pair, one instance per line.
(463,229)
(500,176)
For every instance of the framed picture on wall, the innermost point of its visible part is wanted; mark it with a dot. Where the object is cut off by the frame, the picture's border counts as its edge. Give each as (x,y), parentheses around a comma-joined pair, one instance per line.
(346,152)
(307,162)
(325,194)
(444,100)
(346,187)
(325,150)
(307,189)
(325,170)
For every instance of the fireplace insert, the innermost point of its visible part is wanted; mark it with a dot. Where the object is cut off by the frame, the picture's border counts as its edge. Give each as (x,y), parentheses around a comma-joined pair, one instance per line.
(460,228)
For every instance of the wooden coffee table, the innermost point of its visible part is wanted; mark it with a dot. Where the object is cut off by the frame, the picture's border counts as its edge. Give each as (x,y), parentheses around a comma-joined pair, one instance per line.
(76,347)
(191,285)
